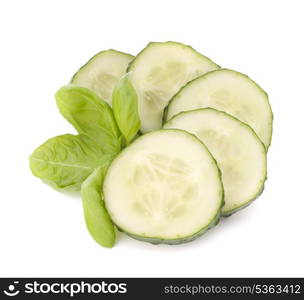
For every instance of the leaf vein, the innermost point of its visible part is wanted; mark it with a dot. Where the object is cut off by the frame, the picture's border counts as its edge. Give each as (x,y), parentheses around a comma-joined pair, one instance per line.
(62,164)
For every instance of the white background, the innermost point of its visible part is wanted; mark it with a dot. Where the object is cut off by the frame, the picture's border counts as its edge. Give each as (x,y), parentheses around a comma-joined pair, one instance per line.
(42,43)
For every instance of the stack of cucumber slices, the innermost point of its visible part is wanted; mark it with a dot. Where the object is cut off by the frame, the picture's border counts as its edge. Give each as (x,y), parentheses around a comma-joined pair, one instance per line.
(168,143)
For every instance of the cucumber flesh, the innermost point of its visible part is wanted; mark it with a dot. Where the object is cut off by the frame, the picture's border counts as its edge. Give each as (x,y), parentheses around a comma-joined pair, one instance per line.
(240,154)
(101,73)
(160,193)
(158,72)
(229,91)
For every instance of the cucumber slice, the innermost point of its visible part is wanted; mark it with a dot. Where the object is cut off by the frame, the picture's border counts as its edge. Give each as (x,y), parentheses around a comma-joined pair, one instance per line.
(228,91)
(101,73)
(160,193)
(158,72)
(240,154)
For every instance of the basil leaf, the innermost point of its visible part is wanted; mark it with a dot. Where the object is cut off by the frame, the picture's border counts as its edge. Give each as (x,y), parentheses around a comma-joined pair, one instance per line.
(65,161)
(90,115)
(125,108)
(97,219)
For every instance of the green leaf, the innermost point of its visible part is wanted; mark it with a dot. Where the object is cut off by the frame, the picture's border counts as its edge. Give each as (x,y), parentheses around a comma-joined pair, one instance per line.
(90,115)
(97,219)
(125,108)
(65,161)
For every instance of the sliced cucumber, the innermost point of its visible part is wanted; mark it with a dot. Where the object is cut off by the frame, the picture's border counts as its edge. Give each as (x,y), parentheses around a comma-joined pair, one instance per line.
(164,188)
(228,91)
(240,154)
(101,73)
(158,72)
